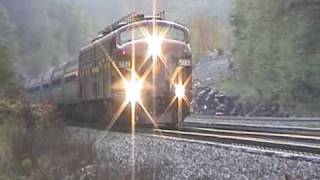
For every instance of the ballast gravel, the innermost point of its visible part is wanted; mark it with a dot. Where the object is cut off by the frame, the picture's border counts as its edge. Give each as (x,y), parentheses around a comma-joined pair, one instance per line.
(157,157)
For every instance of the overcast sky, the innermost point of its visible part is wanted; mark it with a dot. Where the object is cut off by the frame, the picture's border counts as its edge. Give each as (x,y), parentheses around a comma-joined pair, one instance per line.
(108,11)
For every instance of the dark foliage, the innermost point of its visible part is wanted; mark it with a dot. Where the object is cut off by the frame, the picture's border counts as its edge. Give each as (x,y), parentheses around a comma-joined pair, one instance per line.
(277,53)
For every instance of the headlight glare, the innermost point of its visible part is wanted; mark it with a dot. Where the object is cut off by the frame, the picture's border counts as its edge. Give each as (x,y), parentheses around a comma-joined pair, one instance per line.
(154,46)
(180,91)
(133,91)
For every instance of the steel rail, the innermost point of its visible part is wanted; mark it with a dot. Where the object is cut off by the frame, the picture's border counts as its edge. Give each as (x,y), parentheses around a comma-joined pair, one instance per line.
(270,119)
(256,128)
(281,136)
(229,138)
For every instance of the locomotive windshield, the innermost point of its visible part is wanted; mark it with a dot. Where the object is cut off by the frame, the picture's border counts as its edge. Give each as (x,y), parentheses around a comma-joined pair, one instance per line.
(129,34)
(168,32)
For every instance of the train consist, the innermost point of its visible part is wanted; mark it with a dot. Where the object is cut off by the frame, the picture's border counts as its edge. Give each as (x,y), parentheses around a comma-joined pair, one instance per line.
(140,61)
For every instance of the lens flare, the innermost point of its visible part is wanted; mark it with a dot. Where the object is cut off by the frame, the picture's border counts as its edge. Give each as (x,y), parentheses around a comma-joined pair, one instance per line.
(133,91)
(133,87)
(180,91)
(154,46)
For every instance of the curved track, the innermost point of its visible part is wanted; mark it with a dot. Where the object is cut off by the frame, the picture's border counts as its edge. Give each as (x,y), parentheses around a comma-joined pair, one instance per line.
(302,141)
(297,140)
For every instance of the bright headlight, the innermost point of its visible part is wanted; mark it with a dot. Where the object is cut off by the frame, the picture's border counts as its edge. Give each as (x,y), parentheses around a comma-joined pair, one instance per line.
(133,91)
(180,91)
(154,45)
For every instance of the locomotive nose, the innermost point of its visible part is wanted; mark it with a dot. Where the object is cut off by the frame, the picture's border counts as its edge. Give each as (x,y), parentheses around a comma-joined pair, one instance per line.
(155,62)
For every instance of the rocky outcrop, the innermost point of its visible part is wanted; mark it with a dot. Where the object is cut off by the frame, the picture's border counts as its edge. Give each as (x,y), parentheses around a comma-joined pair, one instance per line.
(209,100)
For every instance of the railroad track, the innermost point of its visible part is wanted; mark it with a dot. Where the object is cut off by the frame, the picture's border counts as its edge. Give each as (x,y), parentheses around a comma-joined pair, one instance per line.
(295,143)
(257,128)
(312,123)
(298,140)
(269,119)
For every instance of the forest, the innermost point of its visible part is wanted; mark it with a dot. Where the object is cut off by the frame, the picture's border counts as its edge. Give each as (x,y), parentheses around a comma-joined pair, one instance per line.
(274,47)
(43,34)
(277,52)
(274,44)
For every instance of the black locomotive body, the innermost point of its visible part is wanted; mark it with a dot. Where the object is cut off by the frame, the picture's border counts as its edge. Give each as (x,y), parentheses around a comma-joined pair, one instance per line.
(145,61)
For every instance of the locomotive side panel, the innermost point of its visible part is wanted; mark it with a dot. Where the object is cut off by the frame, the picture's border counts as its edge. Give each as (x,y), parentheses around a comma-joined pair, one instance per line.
(95,80)
(85,59)
(103,50)
(95,70)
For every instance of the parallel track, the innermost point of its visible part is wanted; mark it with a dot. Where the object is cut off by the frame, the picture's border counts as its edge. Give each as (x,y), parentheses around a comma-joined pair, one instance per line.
(258,128)
(295,143)
(293,139)
(268,119)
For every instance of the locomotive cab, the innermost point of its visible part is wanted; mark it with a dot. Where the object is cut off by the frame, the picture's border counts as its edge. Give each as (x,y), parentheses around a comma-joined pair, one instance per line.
(159,53)
(140,61)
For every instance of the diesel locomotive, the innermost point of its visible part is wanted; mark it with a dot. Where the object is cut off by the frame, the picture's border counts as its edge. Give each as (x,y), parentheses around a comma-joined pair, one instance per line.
(140,63)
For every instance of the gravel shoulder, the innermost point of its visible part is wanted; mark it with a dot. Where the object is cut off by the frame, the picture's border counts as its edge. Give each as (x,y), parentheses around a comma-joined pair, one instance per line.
(160,158)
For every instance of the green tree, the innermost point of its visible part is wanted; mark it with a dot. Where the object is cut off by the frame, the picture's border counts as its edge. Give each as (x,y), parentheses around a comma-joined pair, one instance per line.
(7,49)
(277,53)
(207,34)
(49,32)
